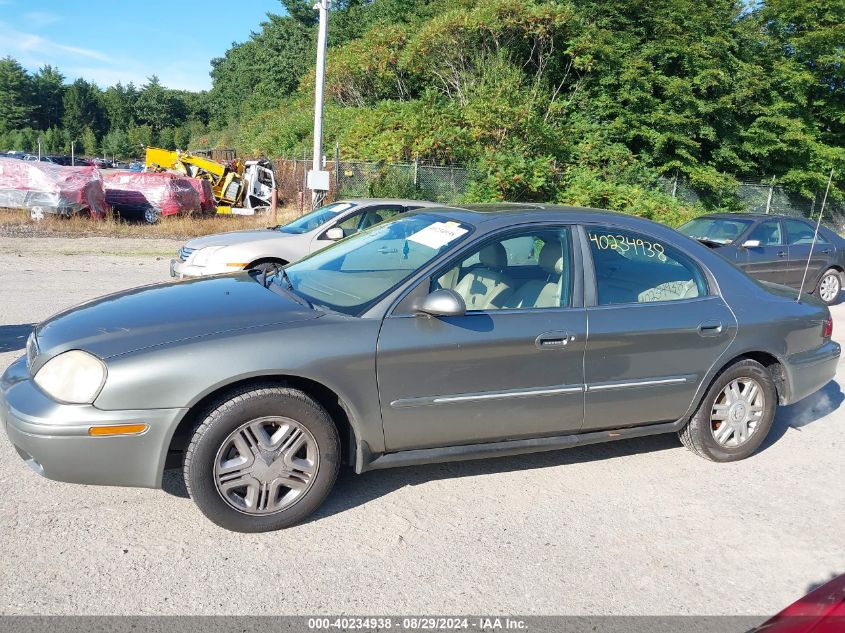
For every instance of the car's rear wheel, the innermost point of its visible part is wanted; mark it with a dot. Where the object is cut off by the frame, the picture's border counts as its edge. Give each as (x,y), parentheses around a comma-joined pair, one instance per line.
(152,215)
(263,459)
(829,286)
(735,415)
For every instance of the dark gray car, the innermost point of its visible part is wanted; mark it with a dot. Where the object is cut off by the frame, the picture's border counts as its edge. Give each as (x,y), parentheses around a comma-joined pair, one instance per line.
(440,335)
(776,248)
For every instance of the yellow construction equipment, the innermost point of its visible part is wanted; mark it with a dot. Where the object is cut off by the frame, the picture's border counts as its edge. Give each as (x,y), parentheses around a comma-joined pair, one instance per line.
(239,187)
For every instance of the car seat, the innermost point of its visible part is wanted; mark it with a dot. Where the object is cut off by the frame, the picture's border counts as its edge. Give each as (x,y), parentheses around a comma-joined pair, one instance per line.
(486,286)
(542,293)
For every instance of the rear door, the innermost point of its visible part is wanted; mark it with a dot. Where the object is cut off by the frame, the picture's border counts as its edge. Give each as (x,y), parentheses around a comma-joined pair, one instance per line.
(770,260)
(799,237)
(655,329)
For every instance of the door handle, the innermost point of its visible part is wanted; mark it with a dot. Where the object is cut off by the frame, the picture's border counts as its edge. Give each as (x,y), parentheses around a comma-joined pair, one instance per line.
(781,253)
(385,250)
(710,328)
(826,251)
(553,340)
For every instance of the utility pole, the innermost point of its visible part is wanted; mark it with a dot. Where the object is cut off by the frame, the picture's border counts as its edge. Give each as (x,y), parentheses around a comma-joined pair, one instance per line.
(40,138)
(318,179)
(72,158)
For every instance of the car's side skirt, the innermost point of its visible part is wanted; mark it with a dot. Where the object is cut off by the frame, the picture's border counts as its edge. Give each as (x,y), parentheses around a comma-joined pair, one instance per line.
(420,456)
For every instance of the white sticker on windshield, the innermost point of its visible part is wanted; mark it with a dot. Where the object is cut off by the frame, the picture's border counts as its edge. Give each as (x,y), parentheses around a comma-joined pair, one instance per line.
(341,206)
(438,234)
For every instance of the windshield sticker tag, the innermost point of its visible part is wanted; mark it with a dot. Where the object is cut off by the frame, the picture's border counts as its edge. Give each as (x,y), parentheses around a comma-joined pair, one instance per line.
(343,206)
(438,234)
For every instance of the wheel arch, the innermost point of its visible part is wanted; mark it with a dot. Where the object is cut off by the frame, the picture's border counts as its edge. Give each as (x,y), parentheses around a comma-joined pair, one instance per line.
(350,437)
(770,361)
(267,260)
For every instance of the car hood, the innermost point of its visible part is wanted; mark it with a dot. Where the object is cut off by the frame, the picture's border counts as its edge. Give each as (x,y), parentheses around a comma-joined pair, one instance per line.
(165,313)
(236,237)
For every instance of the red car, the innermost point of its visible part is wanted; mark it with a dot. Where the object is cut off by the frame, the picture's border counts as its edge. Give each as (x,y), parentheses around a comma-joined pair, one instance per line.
(820,611)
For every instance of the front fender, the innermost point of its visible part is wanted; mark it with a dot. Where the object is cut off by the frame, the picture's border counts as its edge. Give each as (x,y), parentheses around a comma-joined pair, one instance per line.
(335,351)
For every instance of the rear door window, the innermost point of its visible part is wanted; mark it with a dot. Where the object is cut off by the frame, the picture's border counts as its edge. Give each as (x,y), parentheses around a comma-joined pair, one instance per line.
(799,232)
(635,268)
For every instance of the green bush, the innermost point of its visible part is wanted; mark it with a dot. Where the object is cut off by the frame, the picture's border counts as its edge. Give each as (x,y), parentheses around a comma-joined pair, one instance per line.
(391,183)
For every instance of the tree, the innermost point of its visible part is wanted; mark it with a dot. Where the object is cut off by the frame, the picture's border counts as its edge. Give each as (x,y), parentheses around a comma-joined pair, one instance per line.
(116,143)
(158,107)
(119,102)
(88,142)
(17,107)
(139,137)
(49,90)
(259,73)
(83,110)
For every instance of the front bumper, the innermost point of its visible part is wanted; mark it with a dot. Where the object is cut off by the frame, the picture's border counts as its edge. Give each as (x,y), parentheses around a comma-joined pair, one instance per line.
(53,439)
(809,371)
(181,270)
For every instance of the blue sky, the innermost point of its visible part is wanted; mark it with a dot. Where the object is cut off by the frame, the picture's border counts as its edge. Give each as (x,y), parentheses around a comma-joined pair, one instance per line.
(128,40)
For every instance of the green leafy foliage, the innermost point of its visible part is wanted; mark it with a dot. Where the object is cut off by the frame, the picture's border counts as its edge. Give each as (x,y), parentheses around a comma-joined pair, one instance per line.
(588,102)
(16,96)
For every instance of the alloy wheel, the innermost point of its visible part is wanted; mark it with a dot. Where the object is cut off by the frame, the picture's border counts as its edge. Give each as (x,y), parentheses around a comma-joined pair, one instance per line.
(266,465)
(829,287)
(737,412)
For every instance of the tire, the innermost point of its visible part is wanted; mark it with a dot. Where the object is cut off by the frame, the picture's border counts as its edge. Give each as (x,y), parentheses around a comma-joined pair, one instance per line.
(266,266)
(152,215)
(252,420)
(829,286)
(701,432)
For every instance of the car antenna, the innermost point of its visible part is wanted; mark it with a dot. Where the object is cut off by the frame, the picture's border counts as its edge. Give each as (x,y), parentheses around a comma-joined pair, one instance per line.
(815,237)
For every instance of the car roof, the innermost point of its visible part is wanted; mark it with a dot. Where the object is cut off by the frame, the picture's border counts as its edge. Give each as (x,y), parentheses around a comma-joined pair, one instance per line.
(407,202)
(752,216)
(512,212)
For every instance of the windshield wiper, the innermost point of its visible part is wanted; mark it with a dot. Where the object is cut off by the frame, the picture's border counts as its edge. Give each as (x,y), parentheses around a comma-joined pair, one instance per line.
(283,276)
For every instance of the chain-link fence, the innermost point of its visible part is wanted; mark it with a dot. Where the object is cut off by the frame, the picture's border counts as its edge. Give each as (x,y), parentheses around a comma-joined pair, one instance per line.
(359,179)
(766,197)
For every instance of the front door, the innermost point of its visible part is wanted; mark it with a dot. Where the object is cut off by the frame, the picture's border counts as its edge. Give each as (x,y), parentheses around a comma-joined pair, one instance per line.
(655,332)
(511,367)
(769,260)
(355,222)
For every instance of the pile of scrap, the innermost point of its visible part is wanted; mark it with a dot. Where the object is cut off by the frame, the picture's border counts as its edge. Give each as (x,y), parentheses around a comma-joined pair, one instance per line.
(240,187)
(151,196)
(44,188)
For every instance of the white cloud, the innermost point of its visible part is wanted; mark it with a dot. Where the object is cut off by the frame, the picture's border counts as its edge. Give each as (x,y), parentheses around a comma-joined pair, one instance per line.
(18,43)
(34,51)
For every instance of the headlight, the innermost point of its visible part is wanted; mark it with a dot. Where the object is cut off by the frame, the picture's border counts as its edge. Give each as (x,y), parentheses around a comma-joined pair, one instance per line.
(75,377)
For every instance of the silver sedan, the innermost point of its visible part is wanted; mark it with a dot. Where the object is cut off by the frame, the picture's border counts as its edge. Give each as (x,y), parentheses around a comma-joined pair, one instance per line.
(287,243)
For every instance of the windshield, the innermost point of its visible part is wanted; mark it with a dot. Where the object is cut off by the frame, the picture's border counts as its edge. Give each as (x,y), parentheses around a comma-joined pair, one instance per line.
(718,230)
(354,273)
(315,219)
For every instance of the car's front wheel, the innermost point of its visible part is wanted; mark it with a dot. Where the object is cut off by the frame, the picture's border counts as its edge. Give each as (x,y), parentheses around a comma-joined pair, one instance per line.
(735,415)
(829,286)
(263,459)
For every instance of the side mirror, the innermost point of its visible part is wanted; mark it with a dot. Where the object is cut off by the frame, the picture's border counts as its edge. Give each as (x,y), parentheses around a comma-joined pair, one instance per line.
(751,244)
(335,233)
(440,303)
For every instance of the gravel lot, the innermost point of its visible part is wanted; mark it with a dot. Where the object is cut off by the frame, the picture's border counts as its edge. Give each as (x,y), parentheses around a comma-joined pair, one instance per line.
(634,527)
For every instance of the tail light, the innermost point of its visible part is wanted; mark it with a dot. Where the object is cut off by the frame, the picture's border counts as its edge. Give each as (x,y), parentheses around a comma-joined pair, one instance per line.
(827,328)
